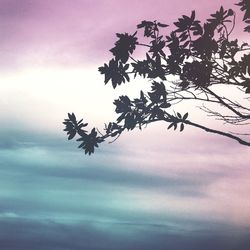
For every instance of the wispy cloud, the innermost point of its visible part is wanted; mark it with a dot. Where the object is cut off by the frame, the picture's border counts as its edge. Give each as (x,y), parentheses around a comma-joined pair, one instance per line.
(48,33)
(44,170)
(40,235)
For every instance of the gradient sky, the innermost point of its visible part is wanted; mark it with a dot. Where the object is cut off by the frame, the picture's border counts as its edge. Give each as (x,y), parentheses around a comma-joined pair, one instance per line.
(153,189)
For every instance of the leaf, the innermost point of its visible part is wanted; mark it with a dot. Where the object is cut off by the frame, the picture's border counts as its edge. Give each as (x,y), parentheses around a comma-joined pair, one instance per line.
(186,44)
(149,28)
(165,105)
(220,29)
(72,134)
(197,73)
(181,127)
(114,71)
(185,116)
(158,93)
(225,68)
(123,104)
(130,121)
(192,16)
(247,90)
(72,117)
(162,25)
(244,45)
(156,68)
(244,64)
(90,141)
(124,47)
(157,48)
(230,12)
(72,126)
(171,125)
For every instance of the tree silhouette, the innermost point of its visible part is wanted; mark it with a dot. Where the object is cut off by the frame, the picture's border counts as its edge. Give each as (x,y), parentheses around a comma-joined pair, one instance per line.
(199,57)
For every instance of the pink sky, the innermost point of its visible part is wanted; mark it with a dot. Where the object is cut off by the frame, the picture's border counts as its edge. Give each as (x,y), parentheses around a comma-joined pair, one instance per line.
(72,33)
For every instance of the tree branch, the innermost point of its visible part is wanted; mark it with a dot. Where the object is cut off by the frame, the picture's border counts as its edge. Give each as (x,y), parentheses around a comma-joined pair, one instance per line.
(227,105)
(217,132)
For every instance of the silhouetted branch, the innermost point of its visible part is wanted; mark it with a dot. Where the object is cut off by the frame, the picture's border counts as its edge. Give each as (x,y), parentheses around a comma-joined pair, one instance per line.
(221,101)
(241,141)
(197,56)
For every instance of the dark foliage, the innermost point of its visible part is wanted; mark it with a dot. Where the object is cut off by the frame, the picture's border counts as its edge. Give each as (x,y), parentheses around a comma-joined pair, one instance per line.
(245,7)
(198,55)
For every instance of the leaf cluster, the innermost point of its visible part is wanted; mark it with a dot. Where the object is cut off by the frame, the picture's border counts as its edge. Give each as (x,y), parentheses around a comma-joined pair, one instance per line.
(245,6)
(88,140)
(198,55)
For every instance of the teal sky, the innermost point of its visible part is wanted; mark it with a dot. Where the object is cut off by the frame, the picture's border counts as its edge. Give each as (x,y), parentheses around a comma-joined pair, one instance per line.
(151,189)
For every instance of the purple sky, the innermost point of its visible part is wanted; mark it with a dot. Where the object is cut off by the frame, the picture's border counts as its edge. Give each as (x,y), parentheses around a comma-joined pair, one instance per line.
(72,33)
(155,182)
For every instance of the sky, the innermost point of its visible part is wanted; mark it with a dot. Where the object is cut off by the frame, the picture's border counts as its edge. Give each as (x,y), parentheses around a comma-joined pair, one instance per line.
(151,189)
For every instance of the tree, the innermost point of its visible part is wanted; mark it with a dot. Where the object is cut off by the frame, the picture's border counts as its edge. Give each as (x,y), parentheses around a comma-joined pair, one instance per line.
(199,57)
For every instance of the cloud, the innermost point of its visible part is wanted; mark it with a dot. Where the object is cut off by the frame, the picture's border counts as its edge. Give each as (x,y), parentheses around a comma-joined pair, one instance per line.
(36,234)
(50,156)
(45,33)
(43,172)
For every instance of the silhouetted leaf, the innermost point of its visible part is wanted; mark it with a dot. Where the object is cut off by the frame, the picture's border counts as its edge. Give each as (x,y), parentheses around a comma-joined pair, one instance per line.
(248,90)
(245,6)
(123,104)
(156,69)
(170,125)
(149,27)
(90,141)
(141,67)
(124,46)
(158,93)
(162,25)
(197,73)
(245,64)
(185,116)
(157,48)
(115,71)
(72,126)
(181,127)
